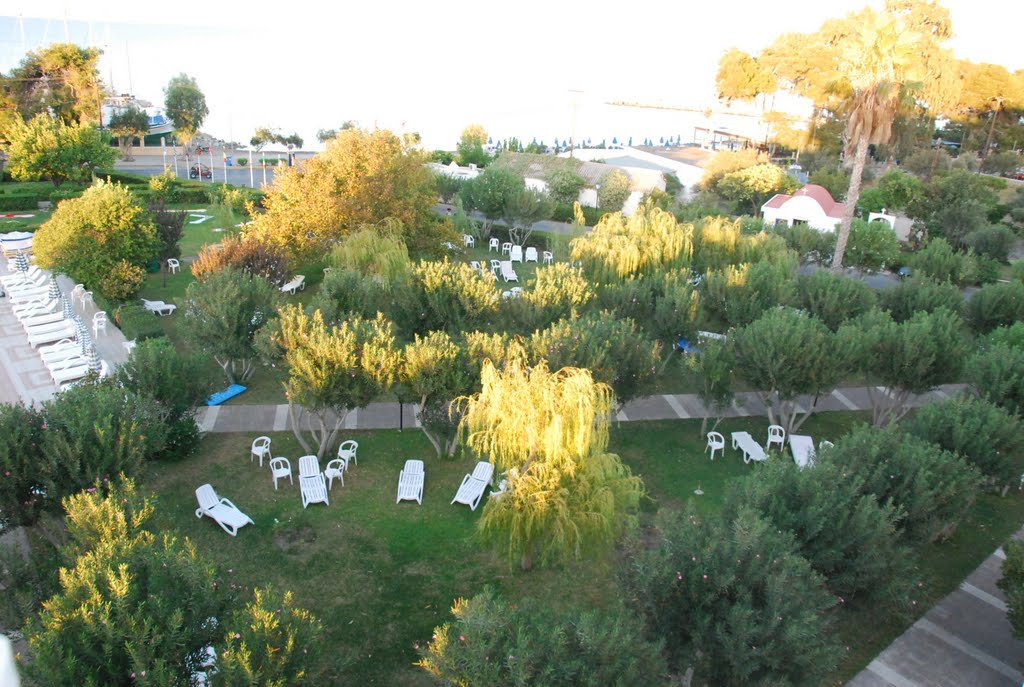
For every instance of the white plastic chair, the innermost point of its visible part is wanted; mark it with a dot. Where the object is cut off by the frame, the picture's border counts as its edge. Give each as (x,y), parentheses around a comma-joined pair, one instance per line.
(531,254)
(468,240)
(173,265)
(776,435)
(347,452)
(260,448)
(495,267)
(716,442)
(280,468)
(410,482)
(824,444)
(99,322)
(86,299)
(506,248)
(548,256)
(493,244)
(223,512)
(335,468)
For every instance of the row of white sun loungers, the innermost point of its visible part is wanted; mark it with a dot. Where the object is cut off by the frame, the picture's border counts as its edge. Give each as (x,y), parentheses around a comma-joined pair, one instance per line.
(44,323)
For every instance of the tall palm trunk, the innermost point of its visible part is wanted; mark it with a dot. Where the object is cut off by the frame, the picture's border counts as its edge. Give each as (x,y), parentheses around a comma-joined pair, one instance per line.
(852,195)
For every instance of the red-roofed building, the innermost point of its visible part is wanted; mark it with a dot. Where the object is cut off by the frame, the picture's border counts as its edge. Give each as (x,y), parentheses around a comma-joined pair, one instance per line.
(811,205)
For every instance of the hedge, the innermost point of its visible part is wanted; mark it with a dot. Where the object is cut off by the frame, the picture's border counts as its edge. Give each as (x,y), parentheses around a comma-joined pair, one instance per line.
(564,213)
(137,323)
(22,201)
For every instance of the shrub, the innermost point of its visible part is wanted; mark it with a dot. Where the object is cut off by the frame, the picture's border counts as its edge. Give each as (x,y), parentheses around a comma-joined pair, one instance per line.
(993,241)
(21,201)
(832,298)
(565,185)
(565,213)
(137,323)
(491,643)
(873,246)
(1012,583)
(86,237)
(940,262)
(735,600)
(613,190)
(978,431)
(62,194)
(270,642)
(920,294)
(163,187)
(740,295)
(27,477)
(847,536)
(995,305)
(931,489)
(242,161)
(130,601)
(810,244)
(123,282)
(997,374)
(178,383)
(247,254)
(96,431)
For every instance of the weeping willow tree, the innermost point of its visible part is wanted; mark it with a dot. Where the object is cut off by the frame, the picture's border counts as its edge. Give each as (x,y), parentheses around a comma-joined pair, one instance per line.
(566,496)
(376,250)
(433,368)
(647,241)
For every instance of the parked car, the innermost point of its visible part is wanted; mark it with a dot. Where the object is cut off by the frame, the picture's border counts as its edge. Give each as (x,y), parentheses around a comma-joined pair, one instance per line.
(198,171)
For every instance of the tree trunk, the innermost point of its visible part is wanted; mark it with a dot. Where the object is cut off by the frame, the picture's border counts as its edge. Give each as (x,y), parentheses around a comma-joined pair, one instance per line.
(852,195)
(991,130)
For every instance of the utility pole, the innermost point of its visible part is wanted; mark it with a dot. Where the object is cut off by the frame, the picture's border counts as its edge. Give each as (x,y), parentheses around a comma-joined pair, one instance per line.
(572,137)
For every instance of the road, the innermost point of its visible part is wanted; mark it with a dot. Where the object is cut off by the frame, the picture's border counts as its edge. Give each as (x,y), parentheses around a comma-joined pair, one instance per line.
(237,176)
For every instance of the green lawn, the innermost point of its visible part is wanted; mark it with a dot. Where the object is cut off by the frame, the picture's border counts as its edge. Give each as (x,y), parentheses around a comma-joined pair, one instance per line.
(382,576)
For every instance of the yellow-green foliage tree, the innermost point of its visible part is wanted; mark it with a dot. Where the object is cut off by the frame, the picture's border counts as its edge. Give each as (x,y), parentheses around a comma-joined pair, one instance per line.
(361,178)
(104,232)
(566,496)
(61,80)
(619,247)
(755,185)
(46,148)
(331,370)
(376,251)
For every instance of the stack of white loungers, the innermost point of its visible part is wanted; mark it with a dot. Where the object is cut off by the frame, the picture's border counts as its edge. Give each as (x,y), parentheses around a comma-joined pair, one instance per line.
(46,326)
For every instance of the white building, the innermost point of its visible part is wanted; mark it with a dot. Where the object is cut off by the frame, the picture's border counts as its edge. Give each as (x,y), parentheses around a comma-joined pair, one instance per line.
(812,205)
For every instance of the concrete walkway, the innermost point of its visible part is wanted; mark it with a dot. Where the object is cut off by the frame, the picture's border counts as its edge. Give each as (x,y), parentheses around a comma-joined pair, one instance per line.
(237,417)
(965,640)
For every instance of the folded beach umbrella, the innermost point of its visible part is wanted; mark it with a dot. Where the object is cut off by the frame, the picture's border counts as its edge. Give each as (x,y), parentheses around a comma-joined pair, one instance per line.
(54,291)
(94,359)
(69,313)
(21,261)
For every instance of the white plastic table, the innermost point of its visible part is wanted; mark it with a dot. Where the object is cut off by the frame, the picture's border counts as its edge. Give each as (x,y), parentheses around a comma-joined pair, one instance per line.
(802,448)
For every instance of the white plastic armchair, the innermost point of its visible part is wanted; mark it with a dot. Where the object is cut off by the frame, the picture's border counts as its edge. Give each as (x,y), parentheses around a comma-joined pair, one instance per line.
(335,468)
(260,449)
(548,256)
(531,254)
(410,482)
(347,452)
(222,511)
(716,442)
(173,265)
(99,323)
(494,244)
(280,468)
(776,435)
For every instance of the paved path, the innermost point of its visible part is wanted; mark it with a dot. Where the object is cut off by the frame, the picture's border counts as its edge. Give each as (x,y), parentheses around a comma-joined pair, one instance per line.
(237,417)
(964,641)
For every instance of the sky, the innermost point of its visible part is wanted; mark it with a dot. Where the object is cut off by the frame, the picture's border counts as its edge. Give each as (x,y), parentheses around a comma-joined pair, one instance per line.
(530,69)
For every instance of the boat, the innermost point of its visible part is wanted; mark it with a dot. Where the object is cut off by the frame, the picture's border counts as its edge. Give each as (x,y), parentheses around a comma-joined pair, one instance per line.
(160,125)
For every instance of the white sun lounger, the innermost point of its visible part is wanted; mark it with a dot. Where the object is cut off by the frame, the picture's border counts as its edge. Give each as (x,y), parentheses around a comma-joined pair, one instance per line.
(158,307)
(472,488)
(750,448)
(65,348)
(40,338)
(223,512)
(507,273)
(28,294)
(40,320)
(297,282)
(70,372)
(37,304)
(410,482)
